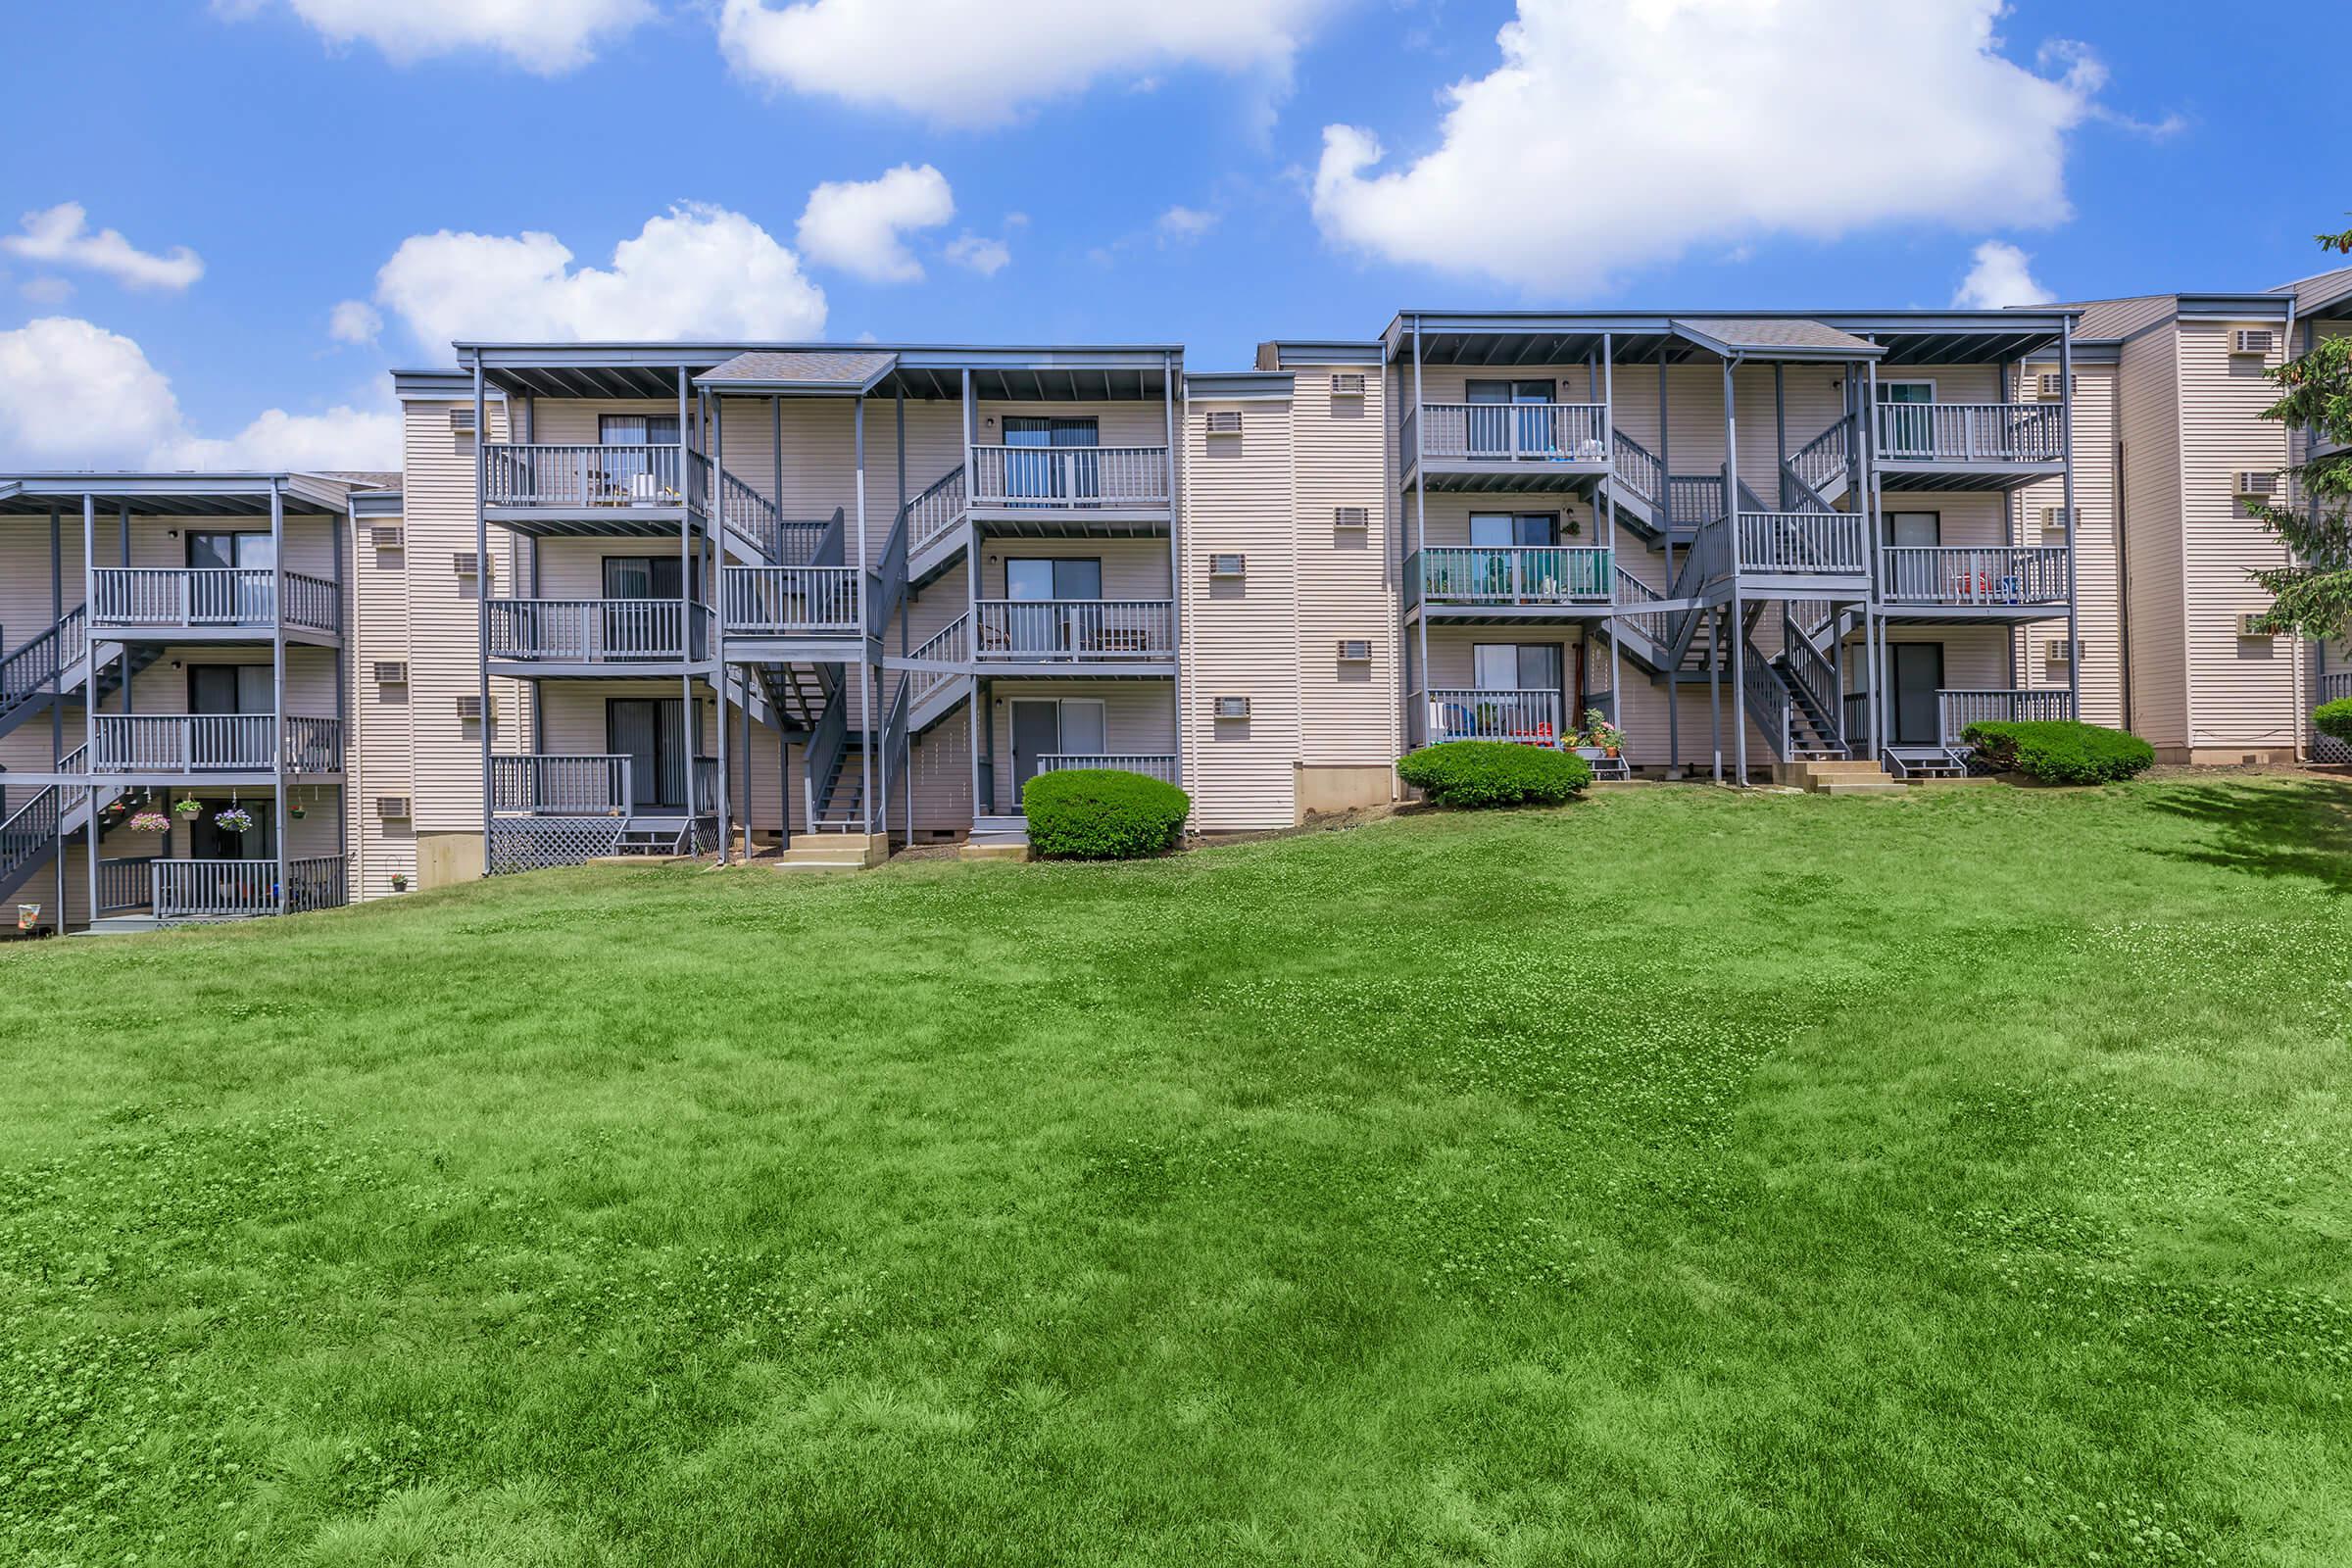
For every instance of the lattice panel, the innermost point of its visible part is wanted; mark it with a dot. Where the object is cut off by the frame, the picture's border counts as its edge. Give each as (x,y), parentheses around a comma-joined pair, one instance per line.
(551,840)
(2328,749)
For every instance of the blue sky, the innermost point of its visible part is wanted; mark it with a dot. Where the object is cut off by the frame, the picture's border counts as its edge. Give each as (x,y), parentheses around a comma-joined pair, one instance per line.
(1178,188)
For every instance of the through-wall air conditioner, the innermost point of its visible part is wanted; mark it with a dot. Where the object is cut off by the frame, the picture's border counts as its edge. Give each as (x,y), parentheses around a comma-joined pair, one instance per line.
(382,537)
(1232,708)
(2053,518)
(1228,565)
(392,807)
(2047,385)
(2250,624)
(470,708)
(1351,516)
(2055,653)
(2253,340)
(461,420)
(1347,383)
(392,672)
(2257,482)
(1355,650)
(466,563)
(1223,421)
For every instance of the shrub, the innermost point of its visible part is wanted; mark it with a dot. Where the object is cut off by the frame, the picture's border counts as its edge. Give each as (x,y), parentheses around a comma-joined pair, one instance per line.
(2061,751)
(2334,718)
(1103,813)
(1473,773)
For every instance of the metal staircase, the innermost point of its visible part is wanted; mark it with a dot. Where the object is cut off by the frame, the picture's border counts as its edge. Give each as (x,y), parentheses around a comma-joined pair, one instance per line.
(31,833)
(61,662)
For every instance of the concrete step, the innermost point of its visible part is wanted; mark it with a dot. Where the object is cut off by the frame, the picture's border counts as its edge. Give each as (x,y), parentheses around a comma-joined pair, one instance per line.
(832,851)
(992,850)
(1860,786)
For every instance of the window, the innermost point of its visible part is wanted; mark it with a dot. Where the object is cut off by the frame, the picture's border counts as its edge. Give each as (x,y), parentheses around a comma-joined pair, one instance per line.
(1054,577)
(1516,667)
(1055,460)
(1502,530)
(644,577)
(1914,529)
(1906,421)
(637,430)
(633,470)
(230,689)
(648,732)
(221,551)
(1042,621)
(1495,430)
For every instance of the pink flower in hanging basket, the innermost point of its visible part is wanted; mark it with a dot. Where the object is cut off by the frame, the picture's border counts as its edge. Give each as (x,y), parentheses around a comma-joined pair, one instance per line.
(151,822)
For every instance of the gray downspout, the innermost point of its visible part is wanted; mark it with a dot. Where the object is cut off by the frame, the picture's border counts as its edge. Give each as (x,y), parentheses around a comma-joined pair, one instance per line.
(975,710)
(57,685)
(905,595)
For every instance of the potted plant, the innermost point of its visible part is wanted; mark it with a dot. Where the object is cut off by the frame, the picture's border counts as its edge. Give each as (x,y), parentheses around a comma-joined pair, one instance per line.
(1602,735)
(298,812)
(151,822)
(400,881)
(191,809)
(233,819)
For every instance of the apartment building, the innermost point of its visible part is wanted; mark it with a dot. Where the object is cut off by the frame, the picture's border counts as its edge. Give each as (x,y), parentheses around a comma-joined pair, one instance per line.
(693,598)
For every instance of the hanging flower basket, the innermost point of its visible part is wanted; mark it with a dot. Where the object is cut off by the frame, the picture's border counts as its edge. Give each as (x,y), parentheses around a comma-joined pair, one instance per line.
(190,808)
(233,819)
(151,822)
(298,812)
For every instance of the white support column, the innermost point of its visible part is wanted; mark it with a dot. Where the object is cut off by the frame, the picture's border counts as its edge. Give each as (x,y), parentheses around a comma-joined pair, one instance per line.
(277,681)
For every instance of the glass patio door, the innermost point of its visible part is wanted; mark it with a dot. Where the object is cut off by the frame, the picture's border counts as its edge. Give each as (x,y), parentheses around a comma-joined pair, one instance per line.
(1918,676)
(243,600)
(1046,624)
(630,471)
(1056,460)
(645,731)
(1907,418)
(1504,424)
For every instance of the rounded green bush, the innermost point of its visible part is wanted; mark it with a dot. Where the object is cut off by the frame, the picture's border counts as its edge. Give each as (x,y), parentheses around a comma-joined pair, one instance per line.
(1474,774)
(2334,718)
(2061,751)
(1103,813)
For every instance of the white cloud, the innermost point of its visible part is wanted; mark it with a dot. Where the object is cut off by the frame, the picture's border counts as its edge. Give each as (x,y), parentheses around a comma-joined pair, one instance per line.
(75,394)
(60,237)
(970,63)
(1618,133)
(46,290)
(1183,225)
(355,321)
(699,272)
(985,256)
(2000,279)
(546,38)
(859,225)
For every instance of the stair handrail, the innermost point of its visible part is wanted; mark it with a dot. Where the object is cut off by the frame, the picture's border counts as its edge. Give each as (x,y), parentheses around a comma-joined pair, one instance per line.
(937,509)
(890,576)
(949,644)
(1639,469)
(821,758)
(1819,460)
(1767,700)
(44,656)
(897,743)
(833,544)
(1631,590)
(1811,674)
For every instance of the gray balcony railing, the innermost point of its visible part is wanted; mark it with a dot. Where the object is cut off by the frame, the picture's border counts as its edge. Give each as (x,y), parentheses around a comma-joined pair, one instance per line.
(1957,708)
(598,631)
(134,598)
(540,474)
(1531,718)
(1512,432)
(1802,543)
(125,884)
(547,784)
(1161,765)
(1074,631)
(221,889)
(789,601)
(1522,575)
(1087,478)
(1971,432)
(214,742)
(1962,576)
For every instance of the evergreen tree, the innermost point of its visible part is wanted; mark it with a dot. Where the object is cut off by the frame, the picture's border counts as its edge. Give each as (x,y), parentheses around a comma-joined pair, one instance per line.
(2312,596)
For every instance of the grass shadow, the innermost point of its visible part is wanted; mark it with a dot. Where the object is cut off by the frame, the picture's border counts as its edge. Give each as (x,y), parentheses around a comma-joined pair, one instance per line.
(2301,832)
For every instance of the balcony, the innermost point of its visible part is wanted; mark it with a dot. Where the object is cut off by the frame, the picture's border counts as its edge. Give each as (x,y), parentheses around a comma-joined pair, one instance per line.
(1927,446)
(1096,481)
(1161,765)
(1957,708)
(1521,582)
(548,784)
(596,635)
(786,601)
(208,602)
(1966,582)
(180,744)
(1505,446)
(1818,550)
(589,479)
(1061,632)
(1527,717)
(217,890)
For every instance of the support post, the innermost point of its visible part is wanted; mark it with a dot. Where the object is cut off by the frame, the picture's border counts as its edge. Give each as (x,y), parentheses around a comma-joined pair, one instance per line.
(1874,615)
(481,590)
(715,425)
(89,605)
(1420,558)
(1665,507)
(1608,437)
(1731,539)
(971,599)
(865,682)
(1169,371)
(277,700)
(56,687)
(904,591)
(2066,437)
(690,732)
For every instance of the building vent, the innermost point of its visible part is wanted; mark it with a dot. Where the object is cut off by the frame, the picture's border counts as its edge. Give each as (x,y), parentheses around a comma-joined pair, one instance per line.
(470,708)
(1351,516)
(2055,653)
(1347,383)
(392,672)
(1233,707)
(1228,565)
(1355,650)
(467,563)
(392,807)
(461,420)
(384,538)
(2257,482)
(2046,386)
(2253,340)
(1223,421)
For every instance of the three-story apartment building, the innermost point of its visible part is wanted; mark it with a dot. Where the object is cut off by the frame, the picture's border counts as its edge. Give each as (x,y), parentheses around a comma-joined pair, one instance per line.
(723,598)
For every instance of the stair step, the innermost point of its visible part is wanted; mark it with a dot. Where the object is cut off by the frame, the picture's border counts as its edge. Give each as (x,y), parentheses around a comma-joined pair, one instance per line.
(1859,786)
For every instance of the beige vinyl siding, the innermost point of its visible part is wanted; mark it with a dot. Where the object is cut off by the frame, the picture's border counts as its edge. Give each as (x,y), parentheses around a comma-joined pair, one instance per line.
(1346,584)
(2098,575)
(2147,422)
(2243,690)
(1241,635)
(381,721)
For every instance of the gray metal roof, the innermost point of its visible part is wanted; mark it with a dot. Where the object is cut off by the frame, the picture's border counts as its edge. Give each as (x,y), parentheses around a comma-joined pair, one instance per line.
(1779,337)
(2327,293)
(844,370)
(171,495)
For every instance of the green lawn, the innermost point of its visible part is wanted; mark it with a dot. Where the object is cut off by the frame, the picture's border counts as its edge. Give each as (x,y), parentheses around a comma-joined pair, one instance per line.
(1680,1177)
